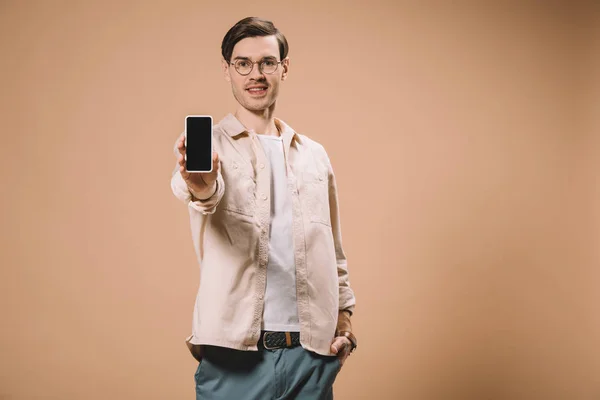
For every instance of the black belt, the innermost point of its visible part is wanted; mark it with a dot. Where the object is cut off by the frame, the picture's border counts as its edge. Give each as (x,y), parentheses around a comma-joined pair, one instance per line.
(275,340)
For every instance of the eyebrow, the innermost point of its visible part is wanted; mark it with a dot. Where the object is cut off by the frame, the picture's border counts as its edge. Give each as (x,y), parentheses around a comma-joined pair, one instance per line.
(248,58)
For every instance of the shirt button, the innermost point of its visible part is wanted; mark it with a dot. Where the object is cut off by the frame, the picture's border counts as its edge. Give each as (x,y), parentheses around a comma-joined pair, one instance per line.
(261,297)
(235,166)
(264,196)
(320,178)
(261,165)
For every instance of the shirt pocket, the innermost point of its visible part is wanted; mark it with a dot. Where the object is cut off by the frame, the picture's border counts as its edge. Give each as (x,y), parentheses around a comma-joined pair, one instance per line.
(240,189)
(315,192)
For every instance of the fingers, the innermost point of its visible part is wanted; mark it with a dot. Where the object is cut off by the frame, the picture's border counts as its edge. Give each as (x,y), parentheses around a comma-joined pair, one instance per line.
(181,162)
(184,174)
(340,347)
(181,145)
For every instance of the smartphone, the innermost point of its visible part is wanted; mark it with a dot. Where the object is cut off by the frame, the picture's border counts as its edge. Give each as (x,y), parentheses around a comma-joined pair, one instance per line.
(198,143)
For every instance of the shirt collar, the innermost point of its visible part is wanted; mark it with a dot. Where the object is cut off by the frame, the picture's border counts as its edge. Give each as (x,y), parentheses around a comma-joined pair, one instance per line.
(233,127)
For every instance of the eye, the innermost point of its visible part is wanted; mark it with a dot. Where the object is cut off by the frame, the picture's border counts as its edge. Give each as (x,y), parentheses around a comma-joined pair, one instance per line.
(269,63)
(243,63)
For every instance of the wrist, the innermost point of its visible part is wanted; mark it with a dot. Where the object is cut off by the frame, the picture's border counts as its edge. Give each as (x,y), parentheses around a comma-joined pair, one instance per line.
(206,193)
(343,322)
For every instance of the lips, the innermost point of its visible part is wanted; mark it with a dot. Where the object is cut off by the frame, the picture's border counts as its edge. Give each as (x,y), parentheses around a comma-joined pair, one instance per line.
(257,90)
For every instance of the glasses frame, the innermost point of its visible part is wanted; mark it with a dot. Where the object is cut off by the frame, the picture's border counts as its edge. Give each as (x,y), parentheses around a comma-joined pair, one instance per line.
(260,68)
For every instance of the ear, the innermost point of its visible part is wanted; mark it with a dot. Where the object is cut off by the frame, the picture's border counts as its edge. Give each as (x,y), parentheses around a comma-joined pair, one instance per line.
(225,66)
(286,66)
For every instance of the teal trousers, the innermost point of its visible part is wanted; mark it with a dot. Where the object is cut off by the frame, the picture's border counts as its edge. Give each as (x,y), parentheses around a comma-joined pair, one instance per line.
(278,374)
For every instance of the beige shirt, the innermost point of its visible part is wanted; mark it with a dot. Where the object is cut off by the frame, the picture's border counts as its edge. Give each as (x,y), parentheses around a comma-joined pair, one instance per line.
(230,234)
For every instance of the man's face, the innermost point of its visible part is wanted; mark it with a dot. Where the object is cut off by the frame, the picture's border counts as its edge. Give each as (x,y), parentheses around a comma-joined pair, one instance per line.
(254,49)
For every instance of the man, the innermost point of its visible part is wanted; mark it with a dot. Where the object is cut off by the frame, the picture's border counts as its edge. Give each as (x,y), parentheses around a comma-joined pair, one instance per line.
(272,313)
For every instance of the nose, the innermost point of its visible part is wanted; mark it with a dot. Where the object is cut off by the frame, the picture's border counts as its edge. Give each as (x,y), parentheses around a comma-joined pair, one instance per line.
(256,72)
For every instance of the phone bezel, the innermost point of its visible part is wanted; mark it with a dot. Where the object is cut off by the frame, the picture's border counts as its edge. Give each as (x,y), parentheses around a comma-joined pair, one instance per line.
(211,141)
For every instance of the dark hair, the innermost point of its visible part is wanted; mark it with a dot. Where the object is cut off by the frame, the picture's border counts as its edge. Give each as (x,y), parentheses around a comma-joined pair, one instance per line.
(252,27)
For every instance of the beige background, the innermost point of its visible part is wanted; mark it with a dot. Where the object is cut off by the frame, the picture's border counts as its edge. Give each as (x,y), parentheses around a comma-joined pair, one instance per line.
(465,139)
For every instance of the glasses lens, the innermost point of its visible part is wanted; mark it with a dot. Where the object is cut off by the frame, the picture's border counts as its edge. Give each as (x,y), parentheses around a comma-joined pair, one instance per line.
(243,66)
(269,66)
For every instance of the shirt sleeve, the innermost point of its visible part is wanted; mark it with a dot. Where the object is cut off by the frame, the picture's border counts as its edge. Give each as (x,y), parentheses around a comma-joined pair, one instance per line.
(346,294)
(182,192)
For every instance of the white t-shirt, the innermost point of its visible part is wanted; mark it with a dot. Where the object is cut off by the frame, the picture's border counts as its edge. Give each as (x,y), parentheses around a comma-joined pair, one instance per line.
(281,310)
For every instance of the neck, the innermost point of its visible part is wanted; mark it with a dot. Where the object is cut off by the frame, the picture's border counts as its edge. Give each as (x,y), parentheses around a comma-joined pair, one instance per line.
(262,122)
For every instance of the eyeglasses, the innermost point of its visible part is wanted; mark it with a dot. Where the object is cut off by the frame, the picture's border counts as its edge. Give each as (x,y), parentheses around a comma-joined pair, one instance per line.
(267,65)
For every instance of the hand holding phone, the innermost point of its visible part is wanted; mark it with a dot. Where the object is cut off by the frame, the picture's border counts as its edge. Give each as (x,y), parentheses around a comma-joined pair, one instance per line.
(198,164)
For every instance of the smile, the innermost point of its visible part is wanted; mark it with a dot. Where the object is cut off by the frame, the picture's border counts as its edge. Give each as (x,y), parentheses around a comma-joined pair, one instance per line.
(257,91)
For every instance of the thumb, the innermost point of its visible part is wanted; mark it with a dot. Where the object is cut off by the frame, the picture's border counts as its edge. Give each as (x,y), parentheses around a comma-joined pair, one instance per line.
(337,345)
(215,160)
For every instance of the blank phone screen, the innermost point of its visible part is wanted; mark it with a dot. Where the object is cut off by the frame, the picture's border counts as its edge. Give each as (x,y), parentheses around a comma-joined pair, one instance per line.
(199,143)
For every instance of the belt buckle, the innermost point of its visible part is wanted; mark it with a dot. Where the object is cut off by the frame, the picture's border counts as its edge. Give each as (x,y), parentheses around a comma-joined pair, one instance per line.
(265,342)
